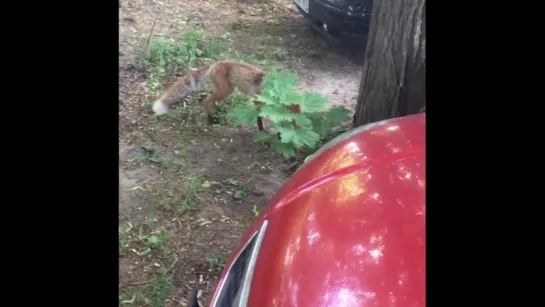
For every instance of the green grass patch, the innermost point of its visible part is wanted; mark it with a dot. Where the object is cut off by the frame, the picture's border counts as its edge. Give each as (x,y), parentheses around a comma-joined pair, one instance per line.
(153,294)
(215,262)
(151,156)
(177,54)
(189,200)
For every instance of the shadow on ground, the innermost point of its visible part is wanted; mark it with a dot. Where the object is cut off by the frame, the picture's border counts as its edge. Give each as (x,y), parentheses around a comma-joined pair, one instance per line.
(291,32)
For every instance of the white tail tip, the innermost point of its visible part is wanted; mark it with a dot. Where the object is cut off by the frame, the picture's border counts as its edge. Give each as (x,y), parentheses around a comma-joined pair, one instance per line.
(159,108)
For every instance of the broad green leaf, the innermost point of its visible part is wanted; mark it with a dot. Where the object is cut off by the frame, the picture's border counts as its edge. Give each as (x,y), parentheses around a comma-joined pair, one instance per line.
(261,136)
(286,133)
(286,149)
(290,79)
(307,137)
(244,114)
(269,92)
(282,125)
(266,98)
(313,102)
(313,115)
(337,115)
(275,91)
(299,137)
(290,97)
(302,121)
(320,125)
(270,77)
(276,113)
(285,80)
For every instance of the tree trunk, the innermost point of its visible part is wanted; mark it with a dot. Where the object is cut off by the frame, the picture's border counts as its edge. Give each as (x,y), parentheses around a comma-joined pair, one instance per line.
(393,80)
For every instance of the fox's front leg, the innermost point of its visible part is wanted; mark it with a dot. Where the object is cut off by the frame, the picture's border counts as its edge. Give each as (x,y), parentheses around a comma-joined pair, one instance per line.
(223,89)
(207,109)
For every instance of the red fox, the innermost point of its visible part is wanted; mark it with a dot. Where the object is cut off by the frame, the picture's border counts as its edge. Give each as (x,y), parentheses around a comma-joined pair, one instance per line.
(226,76)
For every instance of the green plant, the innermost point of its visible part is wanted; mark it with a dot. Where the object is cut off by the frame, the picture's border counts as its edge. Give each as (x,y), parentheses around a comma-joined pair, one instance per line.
(153,155)
(154,294)
(158,291)
(157,239)
(192,188)
(216,262)
(298,130)
(186,51)
(124,236)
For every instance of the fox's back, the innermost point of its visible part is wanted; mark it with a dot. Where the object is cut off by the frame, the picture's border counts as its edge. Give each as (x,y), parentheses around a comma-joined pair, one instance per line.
(245,77)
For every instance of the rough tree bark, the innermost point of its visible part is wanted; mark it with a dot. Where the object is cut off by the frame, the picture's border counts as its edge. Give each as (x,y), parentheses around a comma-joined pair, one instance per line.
(393,81)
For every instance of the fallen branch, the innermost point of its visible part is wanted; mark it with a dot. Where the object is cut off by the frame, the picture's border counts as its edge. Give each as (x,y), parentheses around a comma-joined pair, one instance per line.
(149,281)
(290,167)
(132,284)
(150,33)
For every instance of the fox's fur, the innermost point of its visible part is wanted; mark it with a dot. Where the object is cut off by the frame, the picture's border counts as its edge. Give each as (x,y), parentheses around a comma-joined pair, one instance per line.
(226,76)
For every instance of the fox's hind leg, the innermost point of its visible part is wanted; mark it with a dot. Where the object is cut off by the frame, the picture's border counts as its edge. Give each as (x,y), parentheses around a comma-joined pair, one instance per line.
(223,89)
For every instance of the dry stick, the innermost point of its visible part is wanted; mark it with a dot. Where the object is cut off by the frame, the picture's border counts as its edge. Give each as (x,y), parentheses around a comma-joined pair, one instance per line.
(148,281)
(171,266)
(139,283)
(146,51)
(150,32)
(290,166)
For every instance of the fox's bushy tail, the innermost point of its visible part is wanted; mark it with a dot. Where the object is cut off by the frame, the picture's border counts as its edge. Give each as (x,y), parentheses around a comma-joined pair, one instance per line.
(190,83)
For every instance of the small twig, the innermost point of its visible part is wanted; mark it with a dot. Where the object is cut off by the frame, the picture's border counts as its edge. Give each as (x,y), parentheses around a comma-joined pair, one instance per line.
(131,139)
(150,33)
(149,281)
(162,35)
(290,166)
(212,236)
(341,130)
(171,266)
(139,283)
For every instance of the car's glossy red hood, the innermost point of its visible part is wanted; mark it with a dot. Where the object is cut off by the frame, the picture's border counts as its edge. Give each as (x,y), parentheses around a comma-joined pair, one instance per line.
(349,228)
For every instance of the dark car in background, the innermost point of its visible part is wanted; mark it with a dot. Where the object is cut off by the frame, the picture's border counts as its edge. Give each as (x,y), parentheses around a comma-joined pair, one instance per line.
(342,21)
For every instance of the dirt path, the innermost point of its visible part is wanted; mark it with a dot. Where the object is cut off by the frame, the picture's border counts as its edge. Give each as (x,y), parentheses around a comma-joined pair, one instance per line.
(188,193)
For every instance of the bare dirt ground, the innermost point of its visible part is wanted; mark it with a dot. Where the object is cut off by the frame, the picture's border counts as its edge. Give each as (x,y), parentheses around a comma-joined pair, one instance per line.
(187,193)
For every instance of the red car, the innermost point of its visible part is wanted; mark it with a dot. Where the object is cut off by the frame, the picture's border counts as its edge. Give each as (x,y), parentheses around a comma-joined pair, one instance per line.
(348,229)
